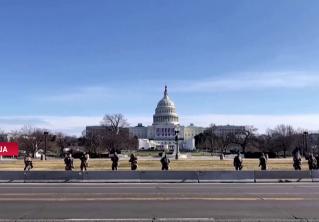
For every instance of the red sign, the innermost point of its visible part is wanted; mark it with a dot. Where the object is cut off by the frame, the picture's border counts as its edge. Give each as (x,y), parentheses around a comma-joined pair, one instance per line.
(9,149)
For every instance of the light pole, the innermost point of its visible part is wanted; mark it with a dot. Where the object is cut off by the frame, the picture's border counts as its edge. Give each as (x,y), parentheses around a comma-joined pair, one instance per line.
(45,133)
(305,142)
(176,141)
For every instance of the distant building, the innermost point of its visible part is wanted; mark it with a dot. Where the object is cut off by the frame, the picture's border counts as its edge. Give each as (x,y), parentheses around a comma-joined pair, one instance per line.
(161,134)
(102,130)
(226,130)
(96,130)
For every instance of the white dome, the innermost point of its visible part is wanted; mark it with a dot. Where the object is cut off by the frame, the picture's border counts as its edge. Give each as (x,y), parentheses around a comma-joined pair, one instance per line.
(165,111)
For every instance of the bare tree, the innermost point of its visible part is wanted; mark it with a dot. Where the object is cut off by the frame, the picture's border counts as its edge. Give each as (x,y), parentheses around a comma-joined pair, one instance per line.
(3,136)
(211,140)
(114,135)
(60,142)
(284,138)
(115,122)
(30,139)
(243,138)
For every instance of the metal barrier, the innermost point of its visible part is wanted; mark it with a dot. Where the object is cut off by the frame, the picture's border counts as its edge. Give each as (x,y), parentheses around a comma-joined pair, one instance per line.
(169,176)
(283,176)
(226,177)
(315,175)
(160,176)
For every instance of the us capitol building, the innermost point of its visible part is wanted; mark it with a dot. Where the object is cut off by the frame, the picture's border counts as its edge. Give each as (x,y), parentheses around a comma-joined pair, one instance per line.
(162,133)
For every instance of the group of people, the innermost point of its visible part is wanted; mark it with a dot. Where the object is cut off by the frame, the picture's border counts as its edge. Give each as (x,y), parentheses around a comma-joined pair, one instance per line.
(84,158)
(238,162)
(133,161)
(313,161)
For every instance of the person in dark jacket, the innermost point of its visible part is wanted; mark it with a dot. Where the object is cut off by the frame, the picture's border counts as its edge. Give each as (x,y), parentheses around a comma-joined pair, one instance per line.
(165,161)
(263,162)
(28,162)
(312,162)
(115,161)
(238,162)
(133,161)
(84,162)
(297,159)
(68,161)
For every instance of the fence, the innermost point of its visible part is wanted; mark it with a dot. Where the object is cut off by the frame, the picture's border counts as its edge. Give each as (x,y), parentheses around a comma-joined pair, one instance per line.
(160,176)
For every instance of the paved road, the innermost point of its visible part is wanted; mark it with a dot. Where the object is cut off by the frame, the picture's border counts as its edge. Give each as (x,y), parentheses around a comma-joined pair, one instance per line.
(145,201)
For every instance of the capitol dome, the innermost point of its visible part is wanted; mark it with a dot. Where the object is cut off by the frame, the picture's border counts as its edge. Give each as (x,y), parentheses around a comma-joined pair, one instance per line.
(165,112)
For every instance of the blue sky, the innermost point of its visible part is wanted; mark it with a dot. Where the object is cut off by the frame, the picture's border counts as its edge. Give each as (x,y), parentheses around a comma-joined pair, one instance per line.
(64,64)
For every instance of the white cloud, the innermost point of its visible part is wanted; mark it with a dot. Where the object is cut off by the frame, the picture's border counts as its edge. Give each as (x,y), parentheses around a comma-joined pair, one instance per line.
(96,93)
(250,81)
(74,125)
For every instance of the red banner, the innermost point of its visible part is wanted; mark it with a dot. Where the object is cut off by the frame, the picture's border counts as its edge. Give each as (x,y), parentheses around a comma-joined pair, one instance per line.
(9,149)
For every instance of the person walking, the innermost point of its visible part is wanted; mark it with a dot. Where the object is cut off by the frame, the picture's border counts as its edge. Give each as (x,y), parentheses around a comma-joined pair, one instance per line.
(115,161)
(263,162)
(165,161)
(27,163)
(68,161)
(84,162)
(238,162)
(312,162)
(297,159)
(133,161)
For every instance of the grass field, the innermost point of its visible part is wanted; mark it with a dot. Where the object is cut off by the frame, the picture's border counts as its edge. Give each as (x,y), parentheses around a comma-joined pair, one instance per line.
(105,164)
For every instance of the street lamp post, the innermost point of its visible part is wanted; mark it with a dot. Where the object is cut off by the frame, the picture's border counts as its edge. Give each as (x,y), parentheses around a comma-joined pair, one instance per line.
(176,141)
(45,144)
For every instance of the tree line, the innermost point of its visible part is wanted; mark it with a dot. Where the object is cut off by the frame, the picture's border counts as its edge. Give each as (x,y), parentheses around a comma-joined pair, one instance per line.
(115,136)
(113,133)
(279,141)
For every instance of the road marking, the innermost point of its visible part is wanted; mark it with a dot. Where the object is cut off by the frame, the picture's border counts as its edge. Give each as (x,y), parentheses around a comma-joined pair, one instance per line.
(288,198)
(155,219)
(69,187)
(157,193)
(150,187)
(135,219)
(65,199)
(146,219)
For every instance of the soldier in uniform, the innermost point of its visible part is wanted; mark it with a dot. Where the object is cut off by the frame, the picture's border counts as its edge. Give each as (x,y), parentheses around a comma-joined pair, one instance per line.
(133,161)
(68,161)
(238,162)
(312,162)
(165,161)
(84,162)
(115,160)
(28,162)
(263,162)
(296,159)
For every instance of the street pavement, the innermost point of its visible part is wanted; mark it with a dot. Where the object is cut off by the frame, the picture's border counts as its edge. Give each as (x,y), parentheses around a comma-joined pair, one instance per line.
(162,202)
